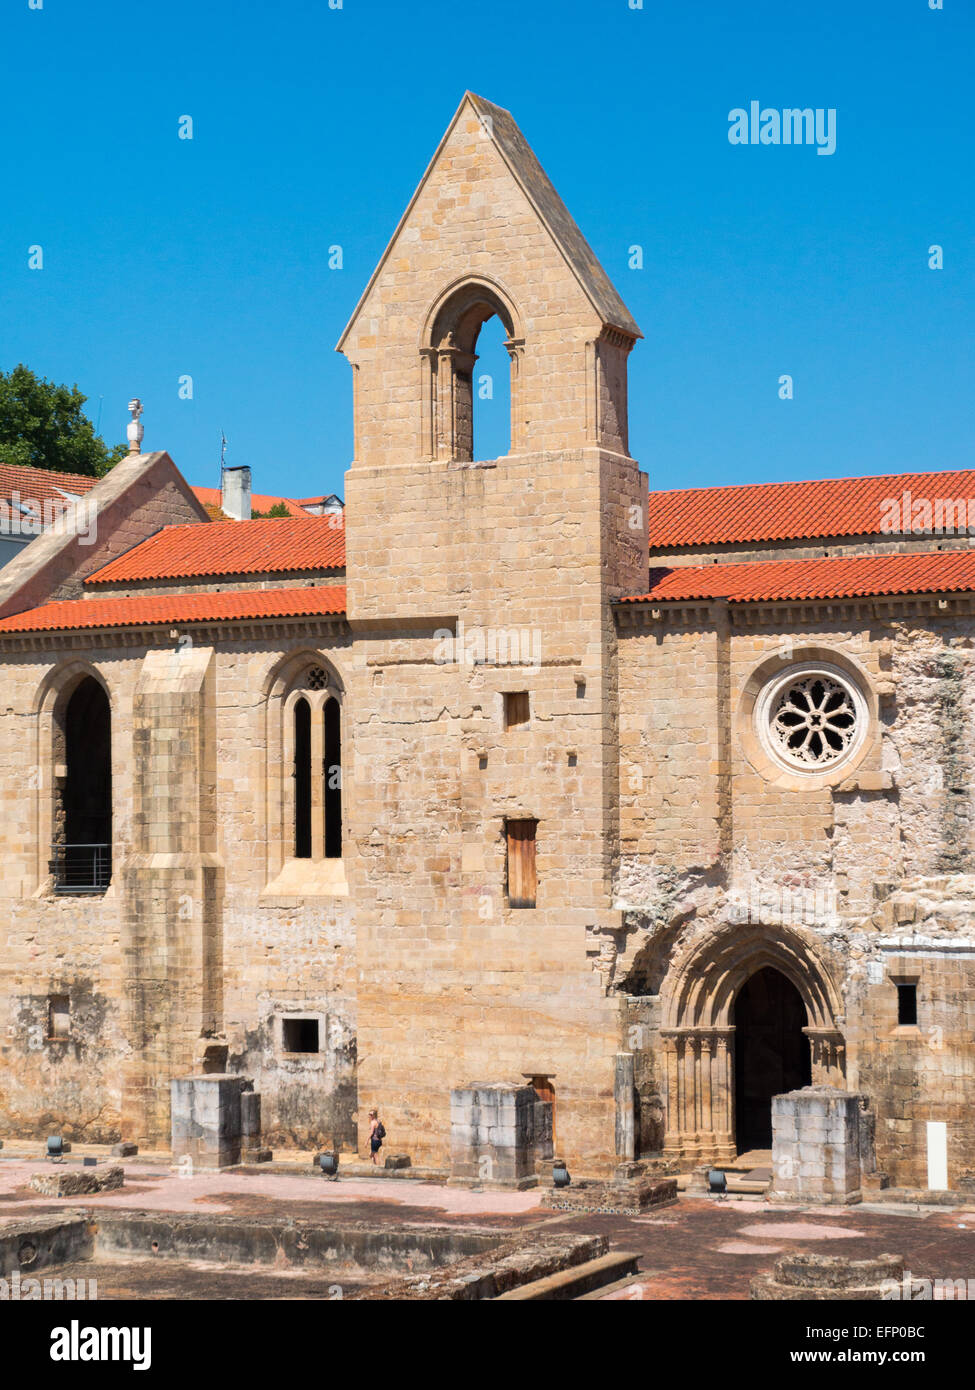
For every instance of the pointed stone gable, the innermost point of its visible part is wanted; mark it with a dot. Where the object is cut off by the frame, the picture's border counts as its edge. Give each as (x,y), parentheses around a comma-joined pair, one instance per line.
(136,498)
(498,124)
(485,221)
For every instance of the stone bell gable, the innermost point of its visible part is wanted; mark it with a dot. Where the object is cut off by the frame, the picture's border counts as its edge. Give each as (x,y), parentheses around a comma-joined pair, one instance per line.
(486,233)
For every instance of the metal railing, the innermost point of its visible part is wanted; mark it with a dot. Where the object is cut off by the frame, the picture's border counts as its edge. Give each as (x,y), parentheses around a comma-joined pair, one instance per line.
(81,868)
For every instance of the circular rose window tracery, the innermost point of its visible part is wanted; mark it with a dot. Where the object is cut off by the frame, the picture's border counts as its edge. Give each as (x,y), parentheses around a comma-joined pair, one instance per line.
(811,719)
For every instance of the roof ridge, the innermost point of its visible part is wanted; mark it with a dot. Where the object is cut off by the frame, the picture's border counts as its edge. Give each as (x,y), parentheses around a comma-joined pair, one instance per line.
(808,482)
(889,572)
(157,609)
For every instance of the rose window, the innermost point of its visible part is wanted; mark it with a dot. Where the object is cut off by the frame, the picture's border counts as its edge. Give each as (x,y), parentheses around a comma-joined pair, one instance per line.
(811,719)
(814,721)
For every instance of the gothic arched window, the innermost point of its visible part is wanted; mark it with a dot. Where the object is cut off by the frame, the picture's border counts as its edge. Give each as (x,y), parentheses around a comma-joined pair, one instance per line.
(81,850)
(316,746)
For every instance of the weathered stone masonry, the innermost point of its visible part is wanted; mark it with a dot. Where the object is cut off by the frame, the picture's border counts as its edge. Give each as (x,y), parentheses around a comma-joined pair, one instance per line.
(712,923)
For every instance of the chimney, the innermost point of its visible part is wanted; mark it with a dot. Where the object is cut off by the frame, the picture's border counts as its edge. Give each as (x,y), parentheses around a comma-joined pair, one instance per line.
(235,493)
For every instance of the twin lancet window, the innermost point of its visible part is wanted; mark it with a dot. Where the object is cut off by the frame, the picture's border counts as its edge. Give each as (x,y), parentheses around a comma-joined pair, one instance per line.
(317,771)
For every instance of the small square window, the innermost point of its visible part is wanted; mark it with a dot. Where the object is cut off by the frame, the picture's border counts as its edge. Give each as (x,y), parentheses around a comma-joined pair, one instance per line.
(907,1004)
(299,1034)
(517,709)
(58,1016)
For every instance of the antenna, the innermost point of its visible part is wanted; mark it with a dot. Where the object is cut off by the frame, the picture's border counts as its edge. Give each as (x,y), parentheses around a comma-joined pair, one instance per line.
(223,453)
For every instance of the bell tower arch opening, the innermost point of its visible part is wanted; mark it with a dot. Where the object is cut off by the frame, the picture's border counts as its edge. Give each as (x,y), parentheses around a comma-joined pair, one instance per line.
(491,392)
(451,382)
(771,1052)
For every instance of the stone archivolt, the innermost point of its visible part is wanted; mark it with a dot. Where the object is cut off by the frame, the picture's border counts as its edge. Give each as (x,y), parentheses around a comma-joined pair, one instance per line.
(698,1031)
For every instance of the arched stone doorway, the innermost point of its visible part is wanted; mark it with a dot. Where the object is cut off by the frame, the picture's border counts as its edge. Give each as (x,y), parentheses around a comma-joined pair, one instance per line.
(699,995)
(771,1053)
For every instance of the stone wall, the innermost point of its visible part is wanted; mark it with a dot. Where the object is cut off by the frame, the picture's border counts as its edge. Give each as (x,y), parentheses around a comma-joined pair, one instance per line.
(713,847)
(158,972)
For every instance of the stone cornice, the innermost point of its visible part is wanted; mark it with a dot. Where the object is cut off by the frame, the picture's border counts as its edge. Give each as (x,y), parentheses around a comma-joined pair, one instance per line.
(789,612)
(160,634)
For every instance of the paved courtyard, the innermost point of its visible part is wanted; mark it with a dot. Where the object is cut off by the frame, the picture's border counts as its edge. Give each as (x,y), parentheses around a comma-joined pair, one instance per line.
(699,1249)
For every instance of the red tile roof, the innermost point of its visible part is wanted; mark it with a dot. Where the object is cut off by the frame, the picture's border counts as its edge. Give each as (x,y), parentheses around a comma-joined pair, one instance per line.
(791,511)
(73,614)
(231,547)
(40,484)
(845,576)
(260,501)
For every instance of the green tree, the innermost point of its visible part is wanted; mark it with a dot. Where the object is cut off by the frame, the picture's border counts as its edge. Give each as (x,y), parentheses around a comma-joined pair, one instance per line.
(279,509)
(44,426)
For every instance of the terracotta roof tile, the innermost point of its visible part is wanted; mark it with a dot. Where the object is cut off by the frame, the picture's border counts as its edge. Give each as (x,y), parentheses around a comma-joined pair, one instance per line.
(791,511)
(40,484)
(846,576)
(260,502)
(231,547)
(74,614)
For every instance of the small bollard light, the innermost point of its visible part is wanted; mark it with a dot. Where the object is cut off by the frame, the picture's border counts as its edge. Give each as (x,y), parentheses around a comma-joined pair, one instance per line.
(717,1182)
(330,1164)
(55,1148)
(560,1174)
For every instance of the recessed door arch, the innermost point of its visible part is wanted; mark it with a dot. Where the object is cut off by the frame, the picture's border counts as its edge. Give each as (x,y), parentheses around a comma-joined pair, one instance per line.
(772,1053)
(699,995)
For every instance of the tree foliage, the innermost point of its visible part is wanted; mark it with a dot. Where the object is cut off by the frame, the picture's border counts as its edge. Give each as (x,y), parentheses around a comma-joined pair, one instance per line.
(43,426)
(279,509)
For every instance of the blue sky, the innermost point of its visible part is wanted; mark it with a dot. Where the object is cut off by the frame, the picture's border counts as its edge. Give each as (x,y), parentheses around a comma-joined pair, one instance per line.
(165,257)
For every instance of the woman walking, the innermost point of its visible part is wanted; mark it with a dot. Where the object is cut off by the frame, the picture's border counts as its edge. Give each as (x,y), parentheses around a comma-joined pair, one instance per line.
(377,1133)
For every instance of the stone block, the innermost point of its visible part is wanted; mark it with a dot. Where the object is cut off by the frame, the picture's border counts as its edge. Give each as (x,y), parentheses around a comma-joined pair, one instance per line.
(816,1146)
(492,1135)
(623,1198)
(207,1120)
(829,1278)
(73,1182)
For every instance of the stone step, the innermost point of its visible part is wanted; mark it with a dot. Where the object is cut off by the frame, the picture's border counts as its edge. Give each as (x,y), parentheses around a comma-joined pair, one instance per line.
(742,1187)
(574,1282)
(631,1284)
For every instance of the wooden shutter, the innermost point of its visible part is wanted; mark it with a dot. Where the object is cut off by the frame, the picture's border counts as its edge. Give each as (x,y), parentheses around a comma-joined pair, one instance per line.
(522,881)
(517,708)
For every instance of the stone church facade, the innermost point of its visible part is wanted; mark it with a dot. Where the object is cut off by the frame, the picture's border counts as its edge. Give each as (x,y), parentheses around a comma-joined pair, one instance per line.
(660,803)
